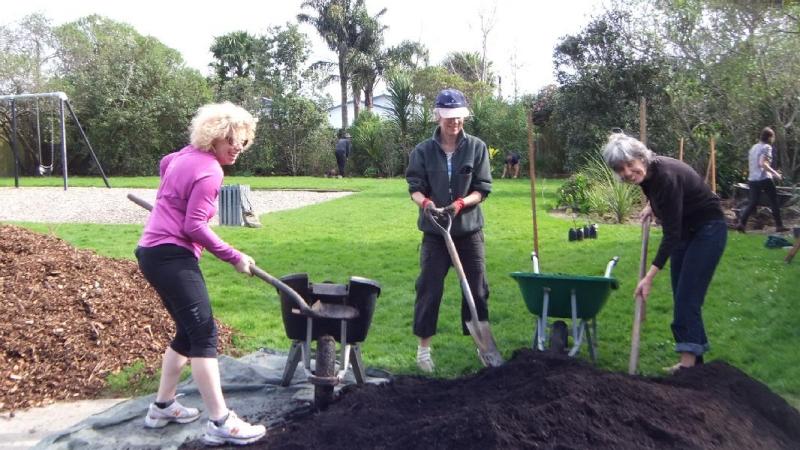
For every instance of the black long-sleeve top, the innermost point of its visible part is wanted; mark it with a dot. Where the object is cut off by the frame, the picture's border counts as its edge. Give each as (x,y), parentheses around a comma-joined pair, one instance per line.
(344,146)
(680,199)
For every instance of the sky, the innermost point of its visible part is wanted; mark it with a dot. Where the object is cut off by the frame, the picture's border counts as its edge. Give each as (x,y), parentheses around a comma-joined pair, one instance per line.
(523,30)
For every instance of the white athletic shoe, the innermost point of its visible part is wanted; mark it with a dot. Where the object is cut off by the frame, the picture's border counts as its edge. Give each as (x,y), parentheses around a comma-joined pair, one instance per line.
(157,417)
(424,360)
(234,431)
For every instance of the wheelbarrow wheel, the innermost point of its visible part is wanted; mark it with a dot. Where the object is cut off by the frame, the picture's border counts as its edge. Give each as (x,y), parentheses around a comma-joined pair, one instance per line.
(325,368)
(558,337)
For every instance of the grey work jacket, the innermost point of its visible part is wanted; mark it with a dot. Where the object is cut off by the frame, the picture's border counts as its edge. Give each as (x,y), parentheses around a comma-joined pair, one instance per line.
(427,173)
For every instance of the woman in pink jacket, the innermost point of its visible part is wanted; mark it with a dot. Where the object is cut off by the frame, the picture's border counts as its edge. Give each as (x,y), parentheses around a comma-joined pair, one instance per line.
(176,233)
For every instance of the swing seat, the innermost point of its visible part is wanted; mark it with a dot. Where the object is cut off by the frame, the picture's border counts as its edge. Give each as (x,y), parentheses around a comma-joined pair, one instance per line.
(45,170)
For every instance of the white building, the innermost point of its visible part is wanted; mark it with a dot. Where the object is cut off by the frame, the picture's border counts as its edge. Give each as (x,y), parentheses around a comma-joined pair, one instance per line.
(381,106)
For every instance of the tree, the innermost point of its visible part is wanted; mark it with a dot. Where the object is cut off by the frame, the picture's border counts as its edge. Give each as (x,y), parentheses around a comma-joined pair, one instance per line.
(746,55)
(287,52)
(430,80)
(403,106)
(134,95)
(469,66)
(376,64)
(603,73)
(293,129)
(339,24)
(235,54)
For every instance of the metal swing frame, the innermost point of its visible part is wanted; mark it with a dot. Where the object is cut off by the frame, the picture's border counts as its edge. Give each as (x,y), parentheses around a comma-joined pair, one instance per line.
(63,104)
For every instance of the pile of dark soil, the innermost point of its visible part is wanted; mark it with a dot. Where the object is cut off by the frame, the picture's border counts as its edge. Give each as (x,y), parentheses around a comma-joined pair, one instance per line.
(70,317)
(544,401)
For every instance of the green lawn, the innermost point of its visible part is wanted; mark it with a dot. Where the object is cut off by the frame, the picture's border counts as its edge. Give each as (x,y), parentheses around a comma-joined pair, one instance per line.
(751,318)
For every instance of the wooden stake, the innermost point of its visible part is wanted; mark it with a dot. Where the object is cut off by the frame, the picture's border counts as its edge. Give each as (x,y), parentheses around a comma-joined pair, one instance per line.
(532,168)
(713,166)
(643,121)
(639,307)
(680,151)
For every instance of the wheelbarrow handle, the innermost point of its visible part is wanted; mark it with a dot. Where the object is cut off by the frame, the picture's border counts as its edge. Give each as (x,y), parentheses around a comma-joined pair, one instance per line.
(610,266)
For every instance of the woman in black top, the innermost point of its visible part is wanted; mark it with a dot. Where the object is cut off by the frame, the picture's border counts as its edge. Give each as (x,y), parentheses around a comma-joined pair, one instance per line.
(694,232)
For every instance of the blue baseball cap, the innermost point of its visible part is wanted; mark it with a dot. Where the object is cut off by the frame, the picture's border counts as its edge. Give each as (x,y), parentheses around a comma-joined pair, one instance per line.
(451,103)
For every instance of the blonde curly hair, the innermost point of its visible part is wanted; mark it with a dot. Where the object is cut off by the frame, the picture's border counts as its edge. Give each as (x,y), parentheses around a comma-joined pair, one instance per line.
(221,121)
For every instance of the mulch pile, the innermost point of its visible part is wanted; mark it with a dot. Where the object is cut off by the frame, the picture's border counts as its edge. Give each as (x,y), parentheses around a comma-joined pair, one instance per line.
(545,401)
(70,317)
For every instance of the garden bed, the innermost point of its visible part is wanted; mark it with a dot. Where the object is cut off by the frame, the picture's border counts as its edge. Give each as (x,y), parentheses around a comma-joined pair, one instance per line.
(539,400)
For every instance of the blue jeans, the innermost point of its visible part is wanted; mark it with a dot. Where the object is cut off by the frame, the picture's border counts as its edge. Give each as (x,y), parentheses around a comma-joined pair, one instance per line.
(692,266)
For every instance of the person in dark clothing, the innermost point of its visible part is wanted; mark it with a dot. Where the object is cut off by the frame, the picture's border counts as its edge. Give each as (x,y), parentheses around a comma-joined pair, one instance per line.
(343,149)
(694,235)
(760,178)
(511,166)
(449,174)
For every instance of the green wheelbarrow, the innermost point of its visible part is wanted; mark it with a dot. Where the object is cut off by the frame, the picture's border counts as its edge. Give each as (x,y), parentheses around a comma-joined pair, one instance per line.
(564,296)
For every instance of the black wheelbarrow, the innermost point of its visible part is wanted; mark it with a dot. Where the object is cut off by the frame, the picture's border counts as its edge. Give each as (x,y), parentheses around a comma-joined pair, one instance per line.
(361,295)
(575,297)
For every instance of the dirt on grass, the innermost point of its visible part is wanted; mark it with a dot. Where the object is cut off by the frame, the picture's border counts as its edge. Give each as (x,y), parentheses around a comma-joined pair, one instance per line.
(545,401)
(69,318)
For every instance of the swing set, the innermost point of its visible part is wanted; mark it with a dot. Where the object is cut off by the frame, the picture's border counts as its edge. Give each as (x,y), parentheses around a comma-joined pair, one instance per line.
(60,100)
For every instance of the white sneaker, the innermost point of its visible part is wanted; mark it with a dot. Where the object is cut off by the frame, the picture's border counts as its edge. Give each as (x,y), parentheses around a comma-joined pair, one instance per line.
(157,417)
(234,431)
(424,361)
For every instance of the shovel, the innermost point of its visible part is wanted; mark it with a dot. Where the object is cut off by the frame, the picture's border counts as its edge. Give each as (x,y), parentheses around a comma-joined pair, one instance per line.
(639,309)
(479,330)
(318,310)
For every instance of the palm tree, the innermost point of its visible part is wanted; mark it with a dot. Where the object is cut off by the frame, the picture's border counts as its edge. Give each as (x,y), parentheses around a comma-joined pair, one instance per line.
(341,24)
(380,62)
(234,54)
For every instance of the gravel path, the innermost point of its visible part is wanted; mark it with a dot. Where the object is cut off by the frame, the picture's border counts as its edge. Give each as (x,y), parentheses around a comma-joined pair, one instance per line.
(103,205)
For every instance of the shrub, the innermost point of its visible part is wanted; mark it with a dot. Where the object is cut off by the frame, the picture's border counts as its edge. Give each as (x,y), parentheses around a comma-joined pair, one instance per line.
(374,145)
(574,193)
(606,193)
(595,188)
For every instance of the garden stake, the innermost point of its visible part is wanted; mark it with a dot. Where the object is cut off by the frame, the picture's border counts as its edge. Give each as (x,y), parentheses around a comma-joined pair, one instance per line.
(639,308)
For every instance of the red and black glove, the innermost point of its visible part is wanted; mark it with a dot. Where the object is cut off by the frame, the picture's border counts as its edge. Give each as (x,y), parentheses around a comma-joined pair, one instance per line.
(454,208)
(428,205)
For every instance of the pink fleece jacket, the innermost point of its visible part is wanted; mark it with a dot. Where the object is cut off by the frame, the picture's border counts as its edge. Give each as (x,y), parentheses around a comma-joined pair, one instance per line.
(185,202)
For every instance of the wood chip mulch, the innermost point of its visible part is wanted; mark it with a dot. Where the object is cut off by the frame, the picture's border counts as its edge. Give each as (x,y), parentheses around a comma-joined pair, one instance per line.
(69,318)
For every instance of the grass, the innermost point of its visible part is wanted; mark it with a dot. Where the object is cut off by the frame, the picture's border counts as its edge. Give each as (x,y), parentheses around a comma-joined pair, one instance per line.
(750,315)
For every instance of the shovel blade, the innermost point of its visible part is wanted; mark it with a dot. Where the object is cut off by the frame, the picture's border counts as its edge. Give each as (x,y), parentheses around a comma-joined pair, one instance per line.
(482,335)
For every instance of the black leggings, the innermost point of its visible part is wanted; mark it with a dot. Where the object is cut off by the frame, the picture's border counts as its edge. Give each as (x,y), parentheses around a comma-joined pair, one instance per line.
(768,186)
(174,273)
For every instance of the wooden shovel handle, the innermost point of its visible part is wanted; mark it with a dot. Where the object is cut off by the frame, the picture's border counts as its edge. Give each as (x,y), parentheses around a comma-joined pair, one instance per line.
(639,308)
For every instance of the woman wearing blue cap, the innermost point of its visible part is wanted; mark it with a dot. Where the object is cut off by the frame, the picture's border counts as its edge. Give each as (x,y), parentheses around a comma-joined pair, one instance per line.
(449,173)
